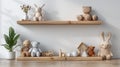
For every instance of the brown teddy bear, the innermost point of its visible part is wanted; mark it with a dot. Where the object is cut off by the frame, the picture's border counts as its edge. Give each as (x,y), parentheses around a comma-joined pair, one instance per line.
(25,49)
(90,51)
(86,15)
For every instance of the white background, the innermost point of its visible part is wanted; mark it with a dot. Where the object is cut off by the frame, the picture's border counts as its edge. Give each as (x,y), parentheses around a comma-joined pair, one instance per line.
(66,37)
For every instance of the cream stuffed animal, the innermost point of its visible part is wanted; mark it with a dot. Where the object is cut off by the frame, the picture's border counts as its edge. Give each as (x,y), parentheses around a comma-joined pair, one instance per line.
(105,47)
(38,13)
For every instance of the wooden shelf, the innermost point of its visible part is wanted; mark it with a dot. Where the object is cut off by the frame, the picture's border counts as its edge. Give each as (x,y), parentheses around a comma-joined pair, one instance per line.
(56,58)
(59,22)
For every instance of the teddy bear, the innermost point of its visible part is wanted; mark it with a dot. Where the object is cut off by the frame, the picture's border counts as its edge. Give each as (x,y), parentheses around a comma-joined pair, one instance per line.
(25,48)
(35,51)
(87,16)
(90,51)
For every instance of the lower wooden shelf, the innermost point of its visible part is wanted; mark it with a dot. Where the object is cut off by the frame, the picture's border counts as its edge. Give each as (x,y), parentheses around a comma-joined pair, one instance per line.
(56,58)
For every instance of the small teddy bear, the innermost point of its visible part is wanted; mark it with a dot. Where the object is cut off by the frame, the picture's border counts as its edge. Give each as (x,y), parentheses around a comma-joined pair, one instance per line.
(87,16)
(25,48)
(35,51)
(90,51)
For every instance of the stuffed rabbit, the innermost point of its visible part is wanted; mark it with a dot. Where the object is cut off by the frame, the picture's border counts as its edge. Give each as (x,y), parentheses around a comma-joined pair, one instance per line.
(38,13)
(105,47)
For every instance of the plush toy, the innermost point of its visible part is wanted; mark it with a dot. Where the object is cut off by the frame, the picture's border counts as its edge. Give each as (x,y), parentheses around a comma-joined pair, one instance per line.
(86,15)
(94,17)
(105,46)
(38,13)
(35,50)
(90,51)
(25,49)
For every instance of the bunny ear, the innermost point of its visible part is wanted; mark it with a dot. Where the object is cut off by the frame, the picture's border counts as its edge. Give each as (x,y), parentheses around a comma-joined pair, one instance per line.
(102,36)
(35,5)
(108,36)
(42,5)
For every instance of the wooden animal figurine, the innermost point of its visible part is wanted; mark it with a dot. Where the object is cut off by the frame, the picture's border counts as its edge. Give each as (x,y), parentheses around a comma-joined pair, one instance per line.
(86,15)
(38,13)
(90,51)
(48,53)
(105,47)
(35,50)
(25,49)
(61,53)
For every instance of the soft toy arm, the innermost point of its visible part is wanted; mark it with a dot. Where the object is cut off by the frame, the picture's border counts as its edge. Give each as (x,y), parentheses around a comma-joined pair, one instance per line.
(30,50)
(111,53)
(40,50)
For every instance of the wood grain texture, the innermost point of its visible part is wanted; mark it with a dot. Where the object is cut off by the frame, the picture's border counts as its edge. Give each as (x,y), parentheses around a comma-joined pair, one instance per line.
(14,63)
(40,58)
(56,58)
(84,58)
(59,22)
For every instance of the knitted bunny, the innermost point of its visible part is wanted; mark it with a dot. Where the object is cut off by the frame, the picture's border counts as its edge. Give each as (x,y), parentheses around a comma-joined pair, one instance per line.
(38,13)
(105,47)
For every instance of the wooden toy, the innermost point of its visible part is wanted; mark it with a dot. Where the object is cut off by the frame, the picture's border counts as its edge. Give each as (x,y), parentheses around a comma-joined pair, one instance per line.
(25,49)
(35,50)
(86,15)
(90,51)
(61,53)
(48,53)
(84,54)
(38,13)
(105,47)
(82,49)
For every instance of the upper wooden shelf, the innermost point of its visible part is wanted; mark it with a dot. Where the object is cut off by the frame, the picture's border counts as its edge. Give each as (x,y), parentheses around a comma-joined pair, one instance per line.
(59,22)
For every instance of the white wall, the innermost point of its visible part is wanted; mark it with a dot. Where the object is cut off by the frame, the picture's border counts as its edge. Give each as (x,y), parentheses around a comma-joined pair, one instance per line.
(67,37)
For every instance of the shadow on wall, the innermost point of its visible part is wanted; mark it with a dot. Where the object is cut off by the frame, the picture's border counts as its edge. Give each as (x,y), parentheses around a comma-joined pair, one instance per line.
(19,1)
(53,15)
(12,18)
